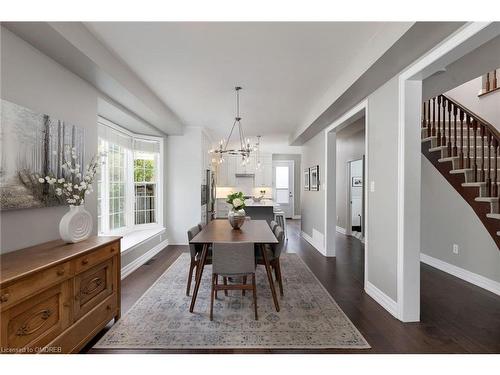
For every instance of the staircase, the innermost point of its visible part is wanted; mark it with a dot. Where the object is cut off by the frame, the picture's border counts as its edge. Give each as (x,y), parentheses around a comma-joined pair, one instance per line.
(464,149)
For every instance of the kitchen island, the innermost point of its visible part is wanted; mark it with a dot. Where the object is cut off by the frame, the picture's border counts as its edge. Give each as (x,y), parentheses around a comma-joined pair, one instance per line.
(263,210)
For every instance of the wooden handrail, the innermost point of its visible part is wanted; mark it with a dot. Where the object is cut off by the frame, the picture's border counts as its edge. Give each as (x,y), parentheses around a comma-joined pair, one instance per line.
(478,118)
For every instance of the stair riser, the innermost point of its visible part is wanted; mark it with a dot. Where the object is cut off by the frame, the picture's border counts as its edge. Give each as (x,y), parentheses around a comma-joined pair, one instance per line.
(479,145)
(478,153)
(469,176)
(456,164)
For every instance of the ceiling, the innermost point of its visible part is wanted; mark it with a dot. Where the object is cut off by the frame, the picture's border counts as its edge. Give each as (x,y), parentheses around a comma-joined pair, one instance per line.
(286,69)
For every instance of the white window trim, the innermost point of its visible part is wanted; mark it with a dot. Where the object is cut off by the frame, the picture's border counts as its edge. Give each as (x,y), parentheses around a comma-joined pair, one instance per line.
(129,187)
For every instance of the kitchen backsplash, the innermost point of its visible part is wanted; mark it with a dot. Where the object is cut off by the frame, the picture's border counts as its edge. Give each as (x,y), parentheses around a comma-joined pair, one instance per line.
(223,192)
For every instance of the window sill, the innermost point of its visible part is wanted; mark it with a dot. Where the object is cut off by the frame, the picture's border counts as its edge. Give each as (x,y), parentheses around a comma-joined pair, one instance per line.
(132,239)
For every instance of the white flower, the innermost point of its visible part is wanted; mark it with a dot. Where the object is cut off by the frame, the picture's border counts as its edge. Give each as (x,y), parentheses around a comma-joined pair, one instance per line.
(76,196)
(237,202)
(76,186)
(47,178)
(87,192)
(51,181)
(61,180)
(69,188)
(41,180)
(58,191)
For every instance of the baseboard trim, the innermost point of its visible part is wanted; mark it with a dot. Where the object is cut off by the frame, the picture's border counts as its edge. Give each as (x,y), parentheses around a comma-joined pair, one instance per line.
(309,239)
(471,277)
(341,230)
(135,264)
(382,299)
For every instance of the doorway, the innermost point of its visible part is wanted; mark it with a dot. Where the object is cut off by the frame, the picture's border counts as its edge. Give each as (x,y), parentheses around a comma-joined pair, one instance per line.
(283,185)
(355,215)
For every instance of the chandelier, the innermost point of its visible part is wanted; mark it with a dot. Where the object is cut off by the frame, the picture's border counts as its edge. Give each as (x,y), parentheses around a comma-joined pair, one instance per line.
(245,149)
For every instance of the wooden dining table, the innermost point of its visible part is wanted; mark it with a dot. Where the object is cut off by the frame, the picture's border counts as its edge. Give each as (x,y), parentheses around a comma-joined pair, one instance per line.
(256,231)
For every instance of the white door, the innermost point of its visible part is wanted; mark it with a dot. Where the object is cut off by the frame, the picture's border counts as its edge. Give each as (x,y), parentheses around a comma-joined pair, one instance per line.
(283,185)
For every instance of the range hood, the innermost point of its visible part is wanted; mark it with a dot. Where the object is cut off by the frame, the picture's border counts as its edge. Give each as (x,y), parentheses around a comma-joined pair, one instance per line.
(245,174)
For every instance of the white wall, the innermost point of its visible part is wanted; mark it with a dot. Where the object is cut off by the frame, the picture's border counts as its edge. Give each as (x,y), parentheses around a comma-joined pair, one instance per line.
(313,202)
(350,146)
(486,106)
(447,219)
(33,80)
(383,172)
(183,180)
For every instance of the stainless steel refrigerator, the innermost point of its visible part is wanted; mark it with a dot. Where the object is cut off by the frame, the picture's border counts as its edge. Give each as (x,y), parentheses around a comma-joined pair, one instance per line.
(208,196)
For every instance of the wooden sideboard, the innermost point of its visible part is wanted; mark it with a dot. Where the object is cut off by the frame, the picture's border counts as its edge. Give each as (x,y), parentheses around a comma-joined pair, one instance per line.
(55,297)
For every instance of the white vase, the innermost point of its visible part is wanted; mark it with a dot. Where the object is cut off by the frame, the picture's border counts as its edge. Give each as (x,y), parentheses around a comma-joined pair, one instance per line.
(76,224)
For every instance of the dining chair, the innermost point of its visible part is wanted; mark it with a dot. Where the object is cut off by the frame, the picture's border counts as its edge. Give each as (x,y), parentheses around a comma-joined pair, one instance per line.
(273,254)
(273,224)
(195,252)
(233,260)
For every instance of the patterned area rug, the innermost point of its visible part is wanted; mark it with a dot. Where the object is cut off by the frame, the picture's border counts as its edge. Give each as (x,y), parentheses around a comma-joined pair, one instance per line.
(309,317)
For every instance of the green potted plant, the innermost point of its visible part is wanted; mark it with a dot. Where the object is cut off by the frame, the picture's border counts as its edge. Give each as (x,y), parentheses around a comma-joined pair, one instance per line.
(237,213)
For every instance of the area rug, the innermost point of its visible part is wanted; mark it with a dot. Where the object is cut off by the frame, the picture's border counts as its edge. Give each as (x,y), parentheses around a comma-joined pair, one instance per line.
(309,318)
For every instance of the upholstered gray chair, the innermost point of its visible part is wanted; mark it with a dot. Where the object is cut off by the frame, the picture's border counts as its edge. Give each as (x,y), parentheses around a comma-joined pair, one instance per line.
(273,253)
(195,252)
(233,260)
(273,224)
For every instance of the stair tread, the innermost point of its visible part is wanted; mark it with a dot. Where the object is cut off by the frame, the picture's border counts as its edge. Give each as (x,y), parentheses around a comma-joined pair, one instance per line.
(475,184)
(493,216)
(486,199)
(465,170)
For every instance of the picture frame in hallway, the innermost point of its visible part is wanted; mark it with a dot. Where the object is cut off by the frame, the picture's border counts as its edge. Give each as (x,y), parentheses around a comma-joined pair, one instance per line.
(314,178)
(306,180)
(357,182)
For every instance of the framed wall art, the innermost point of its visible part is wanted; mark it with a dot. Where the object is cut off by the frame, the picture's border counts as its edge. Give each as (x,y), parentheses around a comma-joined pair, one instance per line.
(314,178)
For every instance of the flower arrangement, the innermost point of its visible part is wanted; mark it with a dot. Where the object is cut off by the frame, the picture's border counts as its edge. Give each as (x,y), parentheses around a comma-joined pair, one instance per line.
(236,200)
(74,186)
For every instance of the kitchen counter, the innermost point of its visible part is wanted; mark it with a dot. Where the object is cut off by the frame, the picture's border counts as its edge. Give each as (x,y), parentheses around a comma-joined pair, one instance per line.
(262,203)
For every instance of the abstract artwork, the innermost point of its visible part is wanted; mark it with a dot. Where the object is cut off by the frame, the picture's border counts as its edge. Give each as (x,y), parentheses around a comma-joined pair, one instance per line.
(314,173)
(32,147)
(306,179)
(357,182)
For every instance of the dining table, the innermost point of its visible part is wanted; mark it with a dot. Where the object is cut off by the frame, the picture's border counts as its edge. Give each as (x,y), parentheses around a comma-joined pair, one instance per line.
(255,231)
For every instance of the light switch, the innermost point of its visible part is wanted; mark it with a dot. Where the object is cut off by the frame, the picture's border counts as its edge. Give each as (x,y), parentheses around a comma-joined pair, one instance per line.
(372,186)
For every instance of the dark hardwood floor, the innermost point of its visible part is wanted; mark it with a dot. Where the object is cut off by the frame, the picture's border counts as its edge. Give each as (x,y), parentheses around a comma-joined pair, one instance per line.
(456,317)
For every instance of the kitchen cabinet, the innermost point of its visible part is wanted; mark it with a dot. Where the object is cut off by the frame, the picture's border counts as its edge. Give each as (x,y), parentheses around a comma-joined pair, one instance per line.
(221,208)
(264,175)
(226,172)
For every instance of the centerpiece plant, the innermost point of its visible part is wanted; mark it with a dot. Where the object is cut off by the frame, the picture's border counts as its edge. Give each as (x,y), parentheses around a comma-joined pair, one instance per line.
(237,213)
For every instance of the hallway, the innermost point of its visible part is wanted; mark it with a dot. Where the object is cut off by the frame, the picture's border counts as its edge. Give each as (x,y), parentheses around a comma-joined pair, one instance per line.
(447,304)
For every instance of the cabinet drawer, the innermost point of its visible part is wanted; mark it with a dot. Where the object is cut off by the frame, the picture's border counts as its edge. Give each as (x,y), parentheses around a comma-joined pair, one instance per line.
(75,338)
(27,286)
(92,287)
(38,320)
(90,260)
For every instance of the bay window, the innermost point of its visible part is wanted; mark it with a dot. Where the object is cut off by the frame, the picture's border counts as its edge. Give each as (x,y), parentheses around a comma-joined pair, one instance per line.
(129,197)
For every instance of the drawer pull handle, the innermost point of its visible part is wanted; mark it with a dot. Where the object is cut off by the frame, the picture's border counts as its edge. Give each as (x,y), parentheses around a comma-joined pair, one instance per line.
(26,330)
(4,297)
(60,272)
(112,250)
(85,261)
(108,307)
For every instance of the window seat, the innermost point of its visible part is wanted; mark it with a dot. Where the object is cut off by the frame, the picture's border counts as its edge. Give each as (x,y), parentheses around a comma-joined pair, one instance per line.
(136,237)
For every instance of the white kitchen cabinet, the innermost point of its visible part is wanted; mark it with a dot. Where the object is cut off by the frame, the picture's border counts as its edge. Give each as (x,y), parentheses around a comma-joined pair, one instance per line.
(221,208)
(264,175)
